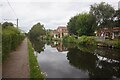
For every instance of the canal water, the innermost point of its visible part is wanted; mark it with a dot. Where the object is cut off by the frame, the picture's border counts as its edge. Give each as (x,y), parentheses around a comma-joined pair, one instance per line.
(58,60)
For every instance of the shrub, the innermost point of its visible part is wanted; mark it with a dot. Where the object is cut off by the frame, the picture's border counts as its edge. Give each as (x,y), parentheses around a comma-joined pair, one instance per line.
(11,38)
(116,44)
(70,39)
(85,40)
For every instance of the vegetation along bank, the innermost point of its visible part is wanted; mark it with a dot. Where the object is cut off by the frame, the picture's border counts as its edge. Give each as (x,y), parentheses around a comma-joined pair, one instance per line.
(11,38)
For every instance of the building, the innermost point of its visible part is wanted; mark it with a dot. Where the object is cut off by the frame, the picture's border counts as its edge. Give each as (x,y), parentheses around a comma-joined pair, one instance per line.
(119,5)
(109,32)
(60,32)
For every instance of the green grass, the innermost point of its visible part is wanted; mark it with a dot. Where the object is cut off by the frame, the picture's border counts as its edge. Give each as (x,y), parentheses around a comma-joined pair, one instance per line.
(35,71)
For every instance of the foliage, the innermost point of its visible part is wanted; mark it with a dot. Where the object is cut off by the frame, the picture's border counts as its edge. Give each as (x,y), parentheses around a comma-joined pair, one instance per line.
(82,24)
(104,14)
(71,25)
(117,44)
(11,38)
(6,24)
(70,39)
(35,71)
(85,40)
(48,35)
(117,16)
(85,24)
(36,32)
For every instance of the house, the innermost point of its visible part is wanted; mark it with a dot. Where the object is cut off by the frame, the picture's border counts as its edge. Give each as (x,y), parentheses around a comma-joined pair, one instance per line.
(109,32)
(60,32)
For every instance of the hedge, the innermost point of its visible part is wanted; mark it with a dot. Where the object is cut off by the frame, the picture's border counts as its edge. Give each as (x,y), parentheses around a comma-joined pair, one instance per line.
(11,38)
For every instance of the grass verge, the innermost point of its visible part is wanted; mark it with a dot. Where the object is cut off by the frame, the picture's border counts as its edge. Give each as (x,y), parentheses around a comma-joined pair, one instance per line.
(35,71)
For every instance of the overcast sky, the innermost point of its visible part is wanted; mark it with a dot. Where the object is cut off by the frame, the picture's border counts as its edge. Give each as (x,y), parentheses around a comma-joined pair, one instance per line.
(51,14)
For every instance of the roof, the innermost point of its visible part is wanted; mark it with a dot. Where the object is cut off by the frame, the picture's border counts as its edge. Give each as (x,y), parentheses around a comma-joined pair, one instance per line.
(62,27)
(109,29)
(55,32)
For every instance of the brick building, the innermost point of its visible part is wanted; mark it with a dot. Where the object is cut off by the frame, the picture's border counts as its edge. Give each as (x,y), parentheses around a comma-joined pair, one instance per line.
(60,32)
(109,32)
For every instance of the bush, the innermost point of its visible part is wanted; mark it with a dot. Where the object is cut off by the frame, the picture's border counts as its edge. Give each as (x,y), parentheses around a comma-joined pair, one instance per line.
(11,38)
(85,40)
(116,44)
(70,39)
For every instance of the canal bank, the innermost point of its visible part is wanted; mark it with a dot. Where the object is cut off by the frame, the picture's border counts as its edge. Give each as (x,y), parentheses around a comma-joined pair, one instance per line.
(109,43)
(35,71)
(93,41)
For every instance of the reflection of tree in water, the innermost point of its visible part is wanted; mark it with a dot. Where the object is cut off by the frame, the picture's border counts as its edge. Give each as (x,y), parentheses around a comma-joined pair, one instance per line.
(90,63)
(38,45)
(109,53)
(81,60)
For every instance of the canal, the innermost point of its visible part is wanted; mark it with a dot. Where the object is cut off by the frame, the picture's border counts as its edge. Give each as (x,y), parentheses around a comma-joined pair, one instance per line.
(58,60)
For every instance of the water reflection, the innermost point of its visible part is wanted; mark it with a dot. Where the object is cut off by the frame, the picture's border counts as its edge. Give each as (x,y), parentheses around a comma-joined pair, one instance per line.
(59,46)
(80,60)
(38,45)
(91,63)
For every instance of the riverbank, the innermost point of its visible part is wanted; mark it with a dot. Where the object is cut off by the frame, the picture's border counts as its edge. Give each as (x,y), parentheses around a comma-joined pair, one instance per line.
(35,71)
(109,43)
(91,40)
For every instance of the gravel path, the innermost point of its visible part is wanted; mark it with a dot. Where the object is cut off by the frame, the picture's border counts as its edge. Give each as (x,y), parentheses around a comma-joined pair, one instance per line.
(17,65)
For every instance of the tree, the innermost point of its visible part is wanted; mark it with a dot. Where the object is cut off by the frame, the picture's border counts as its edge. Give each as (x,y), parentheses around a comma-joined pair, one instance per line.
(104,14)
(117,18)
(6,24)
(37,31)
(82,24)
(71,25)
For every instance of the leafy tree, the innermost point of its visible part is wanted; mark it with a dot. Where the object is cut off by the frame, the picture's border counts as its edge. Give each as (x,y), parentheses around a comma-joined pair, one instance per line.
(85,24)
(82,24)
(37,31)
(6,24)
(71,25)
(117,18)
(104,14)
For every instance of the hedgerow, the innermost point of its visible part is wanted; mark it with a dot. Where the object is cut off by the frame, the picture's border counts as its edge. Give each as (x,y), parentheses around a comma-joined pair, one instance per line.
(11,38)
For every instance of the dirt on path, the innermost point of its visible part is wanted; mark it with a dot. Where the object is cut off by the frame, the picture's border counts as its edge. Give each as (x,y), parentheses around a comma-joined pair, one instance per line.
(17,65)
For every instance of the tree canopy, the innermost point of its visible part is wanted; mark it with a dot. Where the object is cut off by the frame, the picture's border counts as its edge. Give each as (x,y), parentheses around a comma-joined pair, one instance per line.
(117,18)
(37,31)
(82,24)
(6,24)
(104,14)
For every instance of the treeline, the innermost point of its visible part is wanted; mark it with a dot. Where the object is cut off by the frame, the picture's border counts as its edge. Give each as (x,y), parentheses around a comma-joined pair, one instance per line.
(100,16)
(11,38)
